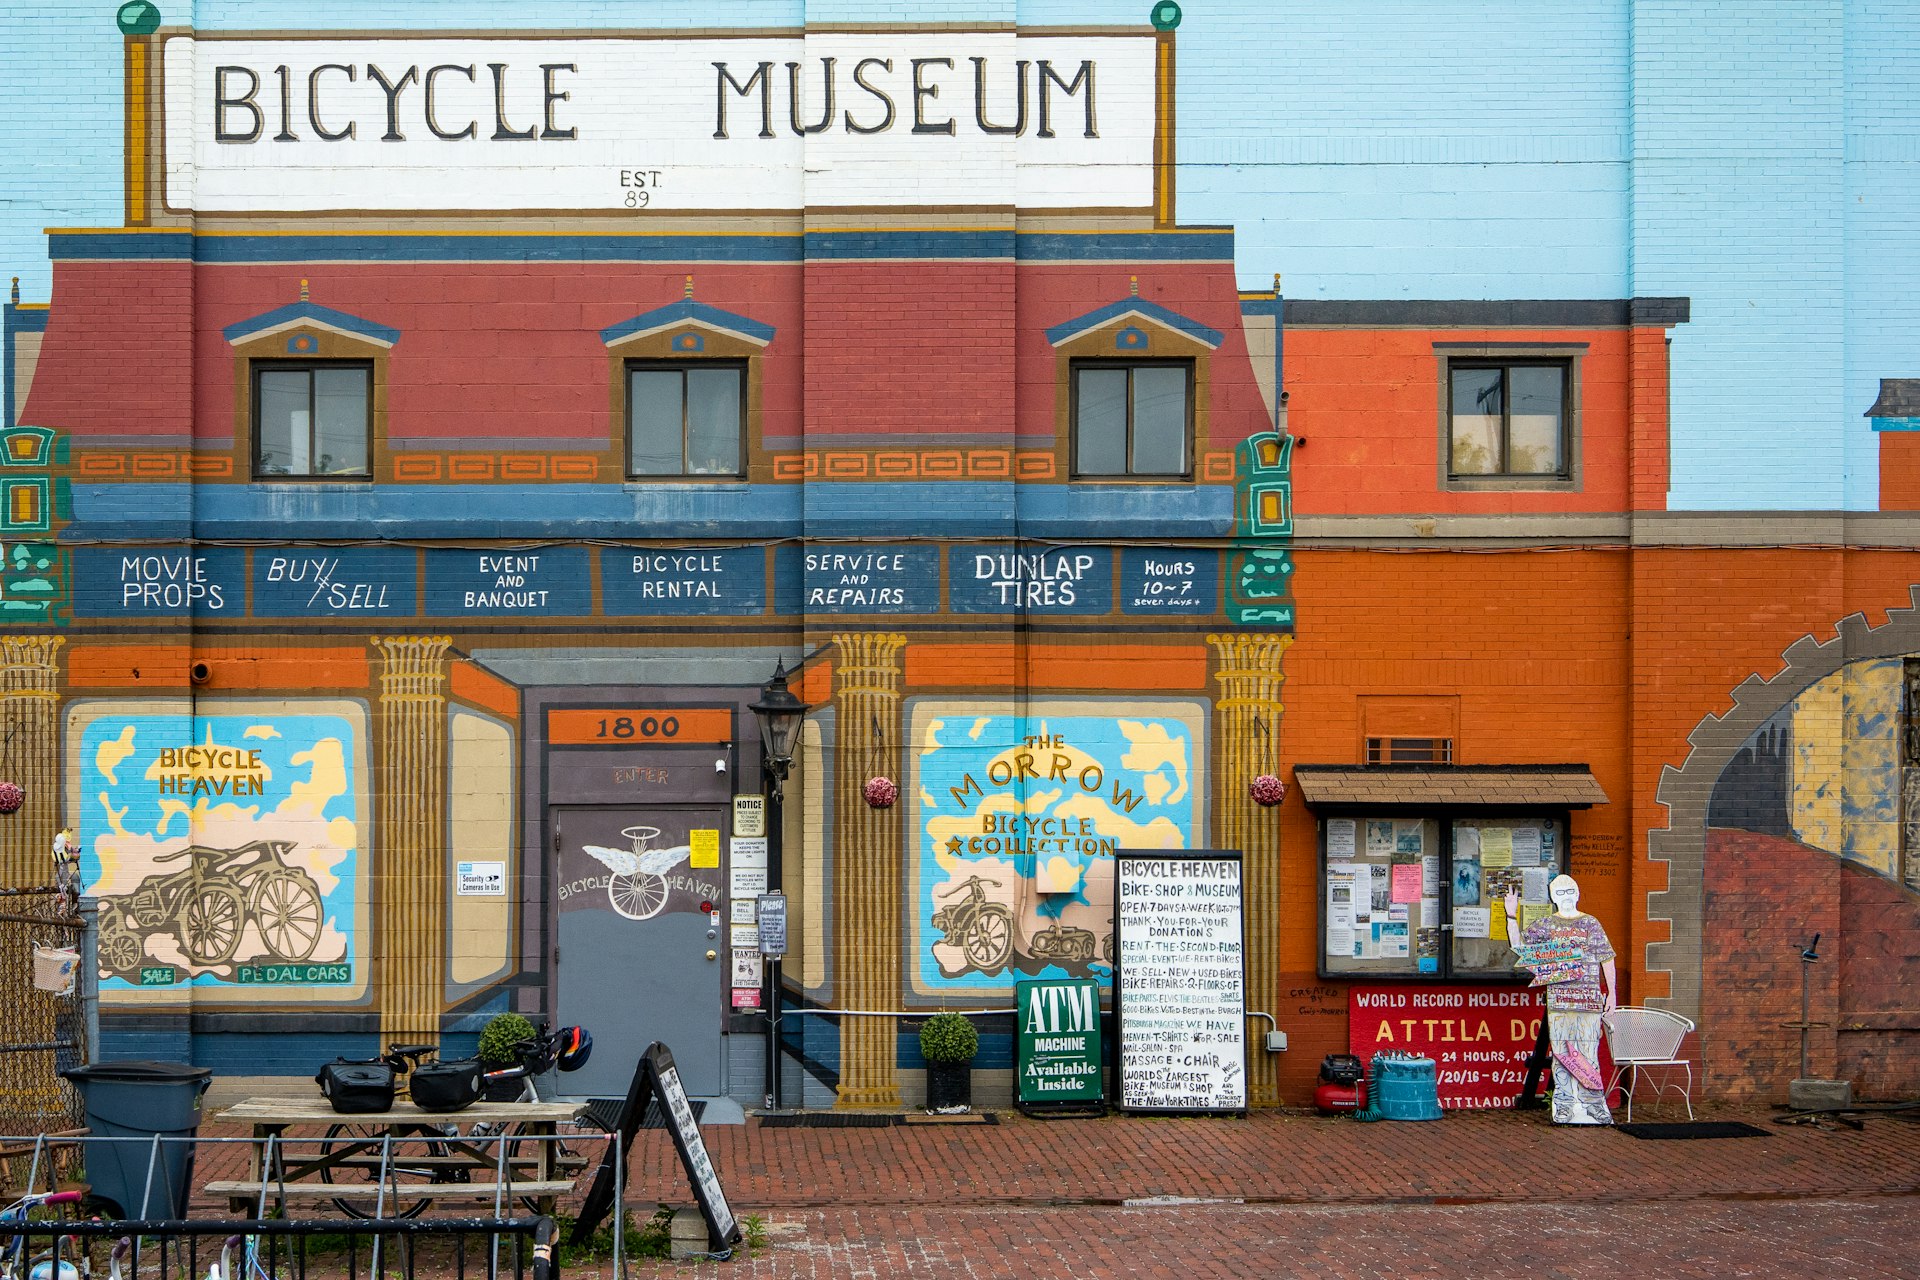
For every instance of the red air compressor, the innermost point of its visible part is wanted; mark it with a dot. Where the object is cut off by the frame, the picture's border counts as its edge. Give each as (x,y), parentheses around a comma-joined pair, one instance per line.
(1343,1084)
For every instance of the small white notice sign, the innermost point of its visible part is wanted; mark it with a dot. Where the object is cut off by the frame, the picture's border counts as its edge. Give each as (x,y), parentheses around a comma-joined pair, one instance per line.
(480,879)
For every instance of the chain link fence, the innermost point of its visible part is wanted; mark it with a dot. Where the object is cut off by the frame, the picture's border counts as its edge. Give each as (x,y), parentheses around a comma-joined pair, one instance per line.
(44,989)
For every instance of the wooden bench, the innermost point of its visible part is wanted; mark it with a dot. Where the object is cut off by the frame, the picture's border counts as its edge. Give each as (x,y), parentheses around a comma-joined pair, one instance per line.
(235,1191)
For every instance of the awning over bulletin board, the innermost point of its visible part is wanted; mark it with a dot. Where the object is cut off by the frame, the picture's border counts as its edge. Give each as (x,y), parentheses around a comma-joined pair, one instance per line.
(1430,786)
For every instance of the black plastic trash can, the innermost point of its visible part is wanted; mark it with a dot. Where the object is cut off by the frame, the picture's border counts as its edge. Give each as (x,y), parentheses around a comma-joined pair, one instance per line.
(131,1102)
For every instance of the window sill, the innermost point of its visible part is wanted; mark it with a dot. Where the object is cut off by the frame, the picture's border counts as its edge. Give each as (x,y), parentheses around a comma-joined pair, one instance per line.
(1510,484)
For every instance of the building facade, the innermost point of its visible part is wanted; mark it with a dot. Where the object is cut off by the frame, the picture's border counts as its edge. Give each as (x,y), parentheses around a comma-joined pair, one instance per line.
(413,477)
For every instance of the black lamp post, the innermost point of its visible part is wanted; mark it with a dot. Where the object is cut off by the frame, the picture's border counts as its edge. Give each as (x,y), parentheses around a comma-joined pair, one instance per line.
(780,713)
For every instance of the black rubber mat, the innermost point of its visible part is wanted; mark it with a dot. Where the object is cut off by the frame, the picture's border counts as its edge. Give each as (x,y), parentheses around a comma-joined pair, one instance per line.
(1693,1129)
(828,1120)
(604,1114)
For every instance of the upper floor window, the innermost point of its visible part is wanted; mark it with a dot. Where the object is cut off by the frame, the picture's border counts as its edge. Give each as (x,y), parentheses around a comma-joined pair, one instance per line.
(686,419)
(1132,418)
(1508,418)
(312,419)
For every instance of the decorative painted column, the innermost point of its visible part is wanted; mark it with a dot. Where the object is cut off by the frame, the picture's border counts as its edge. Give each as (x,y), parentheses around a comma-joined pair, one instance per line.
(1246,738)
(29,727)
(867,859)
(410,837)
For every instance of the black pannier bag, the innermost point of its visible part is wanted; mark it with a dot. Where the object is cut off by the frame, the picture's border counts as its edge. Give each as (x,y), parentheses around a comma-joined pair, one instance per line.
(446,1086)
(357,1088)
(1342,1068)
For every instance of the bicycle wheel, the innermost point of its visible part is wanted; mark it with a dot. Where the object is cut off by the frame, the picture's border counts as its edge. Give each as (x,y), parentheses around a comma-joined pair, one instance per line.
(363,1174)
(287,908)
(211,924)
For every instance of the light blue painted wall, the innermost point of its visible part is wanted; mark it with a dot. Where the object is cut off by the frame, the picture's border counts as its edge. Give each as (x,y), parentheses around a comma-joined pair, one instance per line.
(1761,157)
(1882,203)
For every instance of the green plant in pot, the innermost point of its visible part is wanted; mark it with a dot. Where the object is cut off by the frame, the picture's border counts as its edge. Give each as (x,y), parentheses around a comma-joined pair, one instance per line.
(498,1048)
(948,1043)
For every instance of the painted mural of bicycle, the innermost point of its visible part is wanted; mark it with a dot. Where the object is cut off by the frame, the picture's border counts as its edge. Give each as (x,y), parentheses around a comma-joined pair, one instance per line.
(208,904)
(638,887)
(982,929)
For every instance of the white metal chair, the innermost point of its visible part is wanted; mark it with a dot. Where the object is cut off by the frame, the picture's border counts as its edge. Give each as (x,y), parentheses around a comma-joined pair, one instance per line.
(1640,1039)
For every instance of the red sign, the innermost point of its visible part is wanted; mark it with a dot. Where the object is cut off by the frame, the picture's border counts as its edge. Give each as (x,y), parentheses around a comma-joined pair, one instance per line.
(1478,1037)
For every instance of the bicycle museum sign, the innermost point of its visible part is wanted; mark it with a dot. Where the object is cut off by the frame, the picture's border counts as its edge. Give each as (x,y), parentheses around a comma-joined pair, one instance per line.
(224,849)
(1018,812)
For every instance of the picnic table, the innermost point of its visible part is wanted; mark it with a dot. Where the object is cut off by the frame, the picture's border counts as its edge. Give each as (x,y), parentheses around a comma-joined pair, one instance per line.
(433,1156)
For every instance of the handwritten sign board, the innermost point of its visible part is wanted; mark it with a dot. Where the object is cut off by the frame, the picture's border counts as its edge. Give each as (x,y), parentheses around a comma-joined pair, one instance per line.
(683,583)
(150,582)
(538,582)
(1016,579)
(1179,980)
(335,582)
(1478,1037)
(1169,581)
(658,1080)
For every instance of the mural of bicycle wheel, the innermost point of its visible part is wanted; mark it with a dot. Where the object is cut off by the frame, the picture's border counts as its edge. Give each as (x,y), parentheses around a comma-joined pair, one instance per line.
(209,904)
(227,857)
(638,887)
(1018,811)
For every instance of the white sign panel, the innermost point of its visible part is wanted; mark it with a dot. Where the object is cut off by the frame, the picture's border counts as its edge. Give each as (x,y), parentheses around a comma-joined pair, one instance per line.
(749,815)
(480,879)
(1180,983)
(422,123)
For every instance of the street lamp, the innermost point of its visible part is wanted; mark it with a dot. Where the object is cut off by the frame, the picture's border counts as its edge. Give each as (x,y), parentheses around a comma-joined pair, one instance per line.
(780,713)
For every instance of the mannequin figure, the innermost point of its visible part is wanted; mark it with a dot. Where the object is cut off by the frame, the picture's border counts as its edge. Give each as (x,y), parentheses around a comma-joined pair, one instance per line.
(1576,998)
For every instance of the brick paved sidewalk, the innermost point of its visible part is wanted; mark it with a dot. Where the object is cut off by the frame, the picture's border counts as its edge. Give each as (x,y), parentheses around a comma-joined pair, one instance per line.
(1269,1158)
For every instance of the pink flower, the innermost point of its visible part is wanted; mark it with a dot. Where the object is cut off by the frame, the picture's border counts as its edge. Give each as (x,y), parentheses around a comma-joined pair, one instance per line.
(1267,790)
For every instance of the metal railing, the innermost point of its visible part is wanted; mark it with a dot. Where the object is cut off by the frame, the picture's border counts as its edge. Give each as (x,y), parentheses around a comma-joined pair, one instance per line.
(376,1180)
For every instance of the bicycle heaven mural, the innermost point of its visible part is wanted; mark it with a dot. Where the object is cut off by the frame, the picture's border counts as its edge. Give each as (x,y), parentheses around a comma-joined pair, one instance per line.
(228,860)
(1018,815)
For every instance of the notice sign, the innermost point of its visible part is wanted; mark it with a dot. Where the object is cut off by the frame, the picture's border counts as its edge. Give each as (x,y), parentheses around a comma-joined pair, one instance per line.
(480,879)
(1180,980)
(1479,1038)
(1058,1043)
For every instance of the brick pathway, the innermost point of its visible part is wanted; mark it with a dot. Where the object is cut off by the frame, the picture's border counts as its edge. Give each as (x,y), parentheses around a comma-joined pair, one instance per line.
(1790,1240)
(1285,1158)
(1477,1194)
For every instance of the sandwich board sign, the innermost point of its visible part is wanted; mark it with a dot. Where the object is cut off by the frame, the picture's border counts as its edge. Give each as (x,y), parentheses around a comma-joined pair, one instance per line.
(1057,1045)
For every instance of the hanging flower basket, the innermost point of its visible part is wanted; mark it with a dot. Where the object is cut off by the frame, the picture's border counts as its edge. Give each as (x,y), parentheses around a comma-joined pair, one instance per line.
(1267,790)
(880,793)
(11,797)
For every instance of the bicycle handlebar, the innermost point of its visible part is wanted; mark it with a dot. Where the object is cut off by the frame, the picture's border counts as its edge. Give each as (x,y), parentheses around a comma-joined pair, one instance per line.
(969,883)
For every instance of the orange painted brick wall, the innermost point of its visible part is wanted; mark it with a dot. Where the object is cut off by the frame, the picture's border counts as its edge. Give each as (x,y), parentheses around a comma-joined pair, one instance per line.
(1368,403)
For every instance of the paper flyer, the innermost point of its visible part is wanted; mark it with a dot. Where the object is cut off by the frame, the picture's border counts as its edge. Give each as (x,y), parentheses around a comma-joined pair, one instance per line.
(1530,912)
(1409,841)
(1430,911)
(1408,884)
(1526,846)
(1496,846)
(1472,922)
(1340,837)
(1466,842)
(1430,876)
(1534,884)
(1379,839)
(1382,891)
(1393,940)
(1466,882)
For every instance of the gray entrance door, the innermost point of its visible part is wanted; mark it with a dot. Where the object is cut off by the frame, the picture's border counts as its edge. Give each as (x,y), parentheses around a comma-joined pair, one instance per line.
(643,940)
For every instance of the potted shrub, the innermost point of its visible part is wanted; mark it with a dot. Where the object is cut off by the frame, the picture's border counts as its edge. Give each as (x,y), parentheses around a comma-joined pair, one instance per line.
(497,1049)
(948,1043)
